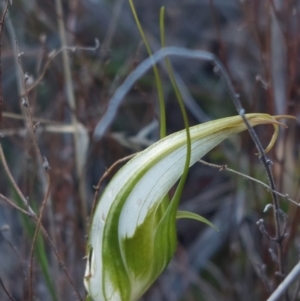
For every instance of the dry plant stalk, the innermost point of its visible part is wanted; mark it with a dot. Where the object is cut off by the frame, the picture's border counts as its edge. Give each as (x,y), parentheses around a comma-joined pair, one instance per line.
(43,161)
(1,32)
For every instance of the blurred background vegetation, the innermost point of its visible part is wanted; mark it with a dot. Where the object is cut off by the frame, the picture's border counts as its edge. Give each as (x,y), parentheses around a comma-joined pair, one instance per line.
(257,41)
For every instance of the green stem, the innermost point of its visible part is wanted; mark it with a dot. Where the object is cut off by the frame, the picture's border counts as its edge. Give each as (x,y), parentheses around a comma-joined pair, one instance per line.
(180,186)
(162,109)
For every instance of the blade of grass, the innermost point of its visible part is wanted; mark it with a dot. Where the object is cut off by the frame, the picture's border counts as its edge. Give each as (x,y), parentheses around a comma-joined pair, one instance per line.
(162,109)
(180,186)
(40,250)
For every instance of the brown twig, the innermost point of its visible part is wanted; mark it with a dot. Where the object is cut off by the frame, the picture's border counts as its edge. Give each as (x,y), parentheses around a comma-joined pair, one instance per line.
(38,225)
(46,166)
(49,241)
(1,32)
(61,262)
(6,291)
(14,249)
(52,56)
(225,167)
(107,172)
(266,51)
(31,214)
(71,100)
(15,206)
(15,186)
(279,236)
(26,105)
(35,119)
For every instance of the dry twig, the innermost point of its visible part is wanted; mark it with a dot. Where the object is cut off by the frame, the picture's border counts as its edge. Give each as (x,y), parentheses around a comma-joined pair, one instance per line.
(225,167)
(108,171)
(6,291)
(1,32)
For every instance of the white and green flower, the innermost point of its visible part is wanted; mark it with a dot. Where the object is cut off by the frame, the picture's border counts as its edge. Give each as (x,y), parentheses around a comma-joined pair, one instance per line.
(133,232)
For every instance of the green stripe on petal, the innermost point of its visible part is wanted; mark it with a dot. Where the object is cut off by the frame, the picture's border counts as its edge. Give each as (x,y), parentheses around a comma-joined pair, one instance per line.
(132,236)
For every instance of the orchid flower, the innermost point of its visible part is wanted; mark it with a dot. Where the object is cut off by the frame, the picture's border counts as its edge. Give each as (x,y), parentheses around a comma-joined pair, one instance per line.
(132,236)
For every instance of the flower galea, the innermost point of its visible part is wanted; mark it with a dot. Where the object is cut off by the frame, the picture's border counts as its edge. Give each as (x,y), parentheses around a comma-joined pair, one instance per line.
(132,235)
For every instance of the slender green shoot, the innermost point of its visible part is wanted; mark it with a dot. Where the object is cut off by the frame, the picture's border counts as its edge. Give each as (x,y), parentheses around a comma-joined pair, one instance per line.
(40,249)
(162,109)
(180,186)
(196,217)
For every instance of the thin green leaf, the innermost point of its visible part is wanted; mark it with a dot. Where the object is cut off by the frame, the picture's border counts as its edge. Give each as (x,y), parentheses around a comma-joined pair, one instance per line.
(162,110)
(40,250)
(179,189)
(195,216)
